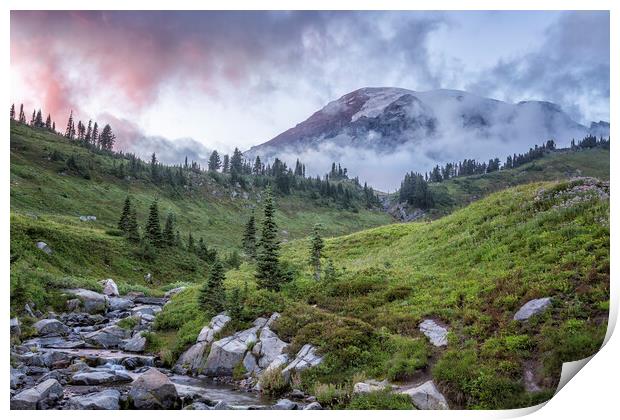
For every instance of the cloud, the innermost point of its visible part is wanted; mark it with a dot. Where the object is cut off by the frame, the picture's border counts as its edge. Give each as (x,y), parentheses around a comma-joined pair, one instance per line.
(571,68)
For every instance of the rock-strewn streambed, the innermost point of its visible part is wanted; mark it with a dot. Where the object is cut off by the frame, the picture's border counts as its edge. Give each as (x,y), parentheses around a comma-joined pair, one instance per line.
(93,357)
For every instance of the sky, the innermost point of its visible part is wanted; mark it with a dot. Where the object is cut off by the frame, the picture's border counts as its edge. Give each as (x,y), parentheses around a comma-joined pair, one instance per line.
(184,83)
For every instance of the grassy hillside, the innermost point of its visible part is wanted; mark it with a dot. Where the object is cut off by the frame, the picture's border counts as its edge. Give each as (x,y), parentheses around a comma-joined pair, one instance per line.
(43,185)
(557,165)
(471,270)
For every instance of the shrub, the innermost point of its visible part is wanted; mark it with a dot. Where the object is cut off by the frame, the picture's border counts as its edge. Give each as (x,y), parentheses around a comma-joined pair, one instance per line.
(128,323)
(272,383)
(329,395)
(380,400)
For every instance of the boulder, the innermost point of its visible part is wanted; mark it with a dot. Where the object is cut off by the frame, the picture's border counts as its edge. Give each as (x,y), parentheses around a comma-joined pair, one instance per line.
(109,287)
(249,362)
(146,310)
(369,386)
(172,292)
(306,358)
(313,406)
(103,400)
(270,347)
(427,397)
(136,344)
(107,337)
(150,300)
(44,247)
(50,327)
(193,360)
(153,390)
(229,352)
(437,335)
(17,378)
(222,405)
(216,325)
(284,404)
(273,318)
(92,302)
(32,398)
(531,308)
(88,218)
(119,304)
(98,377)
(15,327)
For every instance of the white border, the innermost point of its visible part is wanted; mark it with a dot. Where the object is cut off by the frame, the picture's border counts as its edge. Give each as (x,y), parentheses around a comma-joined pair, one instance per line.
(591,395)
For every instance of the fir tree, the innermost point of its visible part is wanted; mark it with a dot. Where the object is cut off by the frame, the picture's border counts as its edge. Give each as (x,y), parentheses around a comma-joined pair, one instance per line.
(258,166)
(152,230)
(89,132)
(249,237)
(214,161)
(330,271)
(211,295)
(132,226)
(48,122)
(38,120)
(191,247)
(123,222)
(22,115)
(316,248)
(168,235)
(107,138)
(268,272)
(154,168)
(225,164)
(95,139)
(70,128)
(235,304)
(12,111)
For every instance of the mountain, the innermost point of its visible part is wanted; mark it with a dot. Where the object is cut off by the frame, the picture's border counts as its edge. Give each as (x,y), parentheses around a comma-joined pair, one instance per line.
(385,119)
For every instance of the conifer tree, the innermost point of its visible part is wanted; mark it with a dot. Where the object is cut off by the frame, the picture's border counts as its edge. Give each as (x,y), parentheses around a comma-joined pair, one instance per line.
(89,131)
(69,130)
(123,222)
(38,120)
(154,168)
(107,138)
(236,162)
(33,118)
(168,235)
(191,247)
(249,237)
(211,295)
(225,164)
(268,273)
(132,226)
(214,161)
(316,248)
(95,139)
(48,122)
(258,166)
(12,111)
(152,231)
(234,304)
(22,115)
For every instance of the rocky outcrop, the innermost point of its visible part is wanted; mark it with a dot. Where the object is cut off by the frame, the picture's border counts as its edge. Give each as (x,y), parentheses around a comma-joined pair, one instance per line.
(153,390)
(135,344)
(120,304)
(100,377)
(107,399)
(109,287)
(107,337)
(228,352)
(216,325)
(437,335)
(270,347)
(531,308)
(306,358)
(427,397)
(48,327)
(15,327)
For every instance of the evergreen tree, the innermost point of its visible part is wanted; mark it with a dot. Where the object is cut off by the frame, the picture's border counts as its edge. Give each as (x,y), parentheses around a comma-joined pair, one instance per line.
(191,247)
(235,304)
(214,161)
(268,272)
(70,128)
(316,248)
(22,115)
(249,237)
(48,122)
(225,164)
(168,235)
(12,111)
(258,166)
(89,132)
(123,222)
(236,162)
(95,139)
(107,138)
(132,226)
(154,168)
(33,118)
(330,271)
(211,295)
(38,120)
(152,230)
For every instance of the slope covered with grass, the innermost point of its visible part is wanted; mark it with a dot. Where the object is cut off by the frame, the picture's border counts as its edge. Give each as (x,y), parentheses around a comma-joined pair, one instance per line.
(471,271)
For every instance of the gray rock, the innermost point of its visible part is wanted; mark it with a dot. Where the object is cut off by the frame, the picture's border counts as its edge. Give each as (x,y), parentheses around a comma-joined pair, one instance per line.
(437,335)
(370,386)
(73,304)
(15,327)
(88,218)
(531,308)
(50,327)
(229,352)
(107,337)
(306,358)
(17,378)
(92,302)
(103,400)
(44,247)
(249,362)
(193,360)
(222,405)
(120,304)
(273,318)
(153,390)
(313,406)
(100,377)
(147,300)
(271,347)
(172,292)
(136,344)
(146,310)
(284,404)
(427,397)
(216,325)
(197,406)
(32,398)
(109,287)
